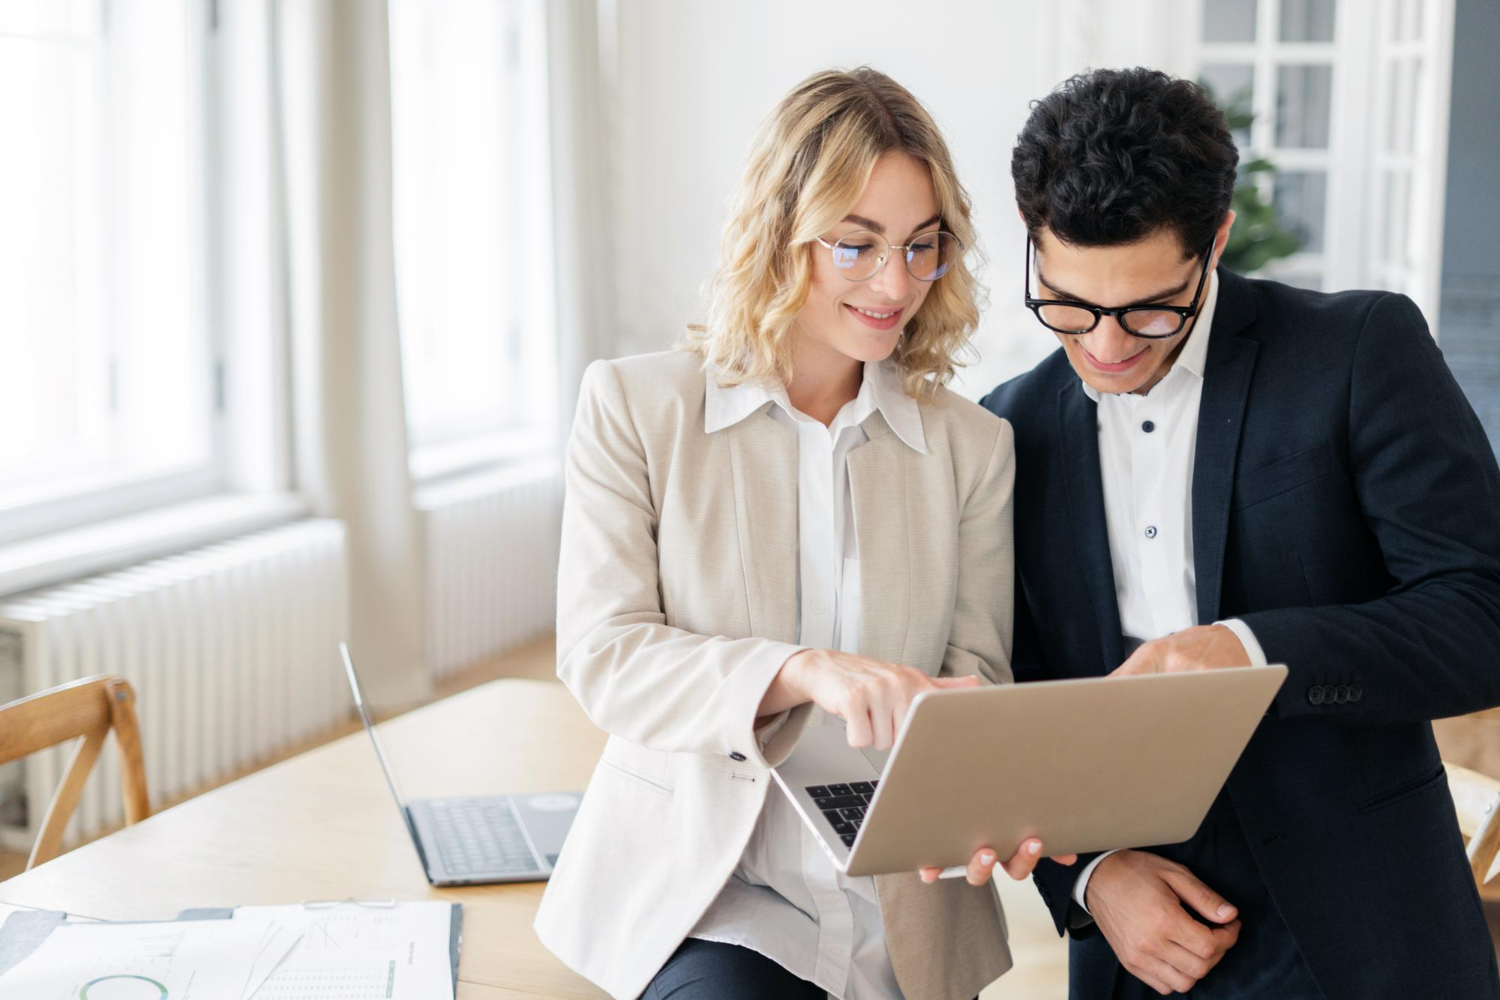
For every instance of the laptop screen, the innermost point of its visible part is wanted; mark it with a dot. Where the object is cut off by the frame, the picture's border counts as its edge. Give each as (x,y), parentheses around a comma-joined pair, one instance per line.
(364,716)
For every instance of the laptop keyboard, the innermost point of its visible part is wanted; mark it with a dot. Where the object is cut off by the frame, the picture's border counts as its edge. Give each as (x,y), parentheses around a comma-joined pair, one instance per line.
(480,836)
(843,806)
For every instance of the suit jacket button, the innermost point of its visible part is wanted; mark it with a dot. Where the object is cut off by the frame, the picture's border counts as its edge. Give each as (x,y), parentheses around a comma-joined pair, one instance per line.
(736,755)
(1341,694)
(1355,692)
(1315,695)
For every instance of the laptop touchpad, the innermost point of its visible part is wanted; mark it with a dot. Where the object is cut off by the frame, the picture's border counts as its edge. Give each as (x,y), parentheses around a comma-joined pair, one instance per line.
(877,758)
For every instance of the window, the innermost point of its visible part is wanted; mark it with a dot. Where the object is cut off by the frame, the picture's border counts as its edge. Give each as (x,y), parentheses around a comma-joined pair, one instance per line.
(1277,57)
(474,244)
(1413,48)
(1351,105)
(107,402)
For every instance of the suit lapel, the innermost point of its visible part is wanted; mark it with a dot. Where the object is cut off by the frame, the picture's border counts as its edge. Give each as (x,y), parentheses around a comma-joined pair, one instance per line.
(1226,385)
(877,483)
(1078,438)
(764,456)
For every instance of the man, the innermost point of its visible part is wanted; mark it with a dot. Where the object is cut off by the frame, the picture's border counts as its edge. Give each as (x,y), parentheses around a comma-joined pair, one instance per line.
(1219,472)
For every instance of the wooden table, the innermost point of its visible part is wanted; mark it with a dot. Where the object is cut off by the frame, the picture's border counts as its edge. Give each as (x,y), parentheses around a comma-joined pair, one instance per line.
(322,826)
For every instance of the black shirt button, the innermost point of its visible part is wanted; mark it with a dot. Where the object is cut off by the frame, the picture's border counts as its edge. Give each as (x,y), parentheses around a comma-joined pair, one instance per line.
(736,755)
(1148,427)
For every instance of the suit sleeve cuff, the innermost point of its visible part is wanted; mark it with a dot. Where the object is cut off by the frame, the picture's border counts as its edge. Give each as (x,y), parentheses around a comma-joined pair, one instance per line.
(772,742)
(1247,639)
(1080,887)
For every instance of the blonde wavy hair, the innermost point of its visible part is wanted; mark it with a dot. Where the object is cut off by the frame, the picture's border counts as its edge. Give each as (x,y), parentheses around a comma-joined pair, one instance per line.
(808,166)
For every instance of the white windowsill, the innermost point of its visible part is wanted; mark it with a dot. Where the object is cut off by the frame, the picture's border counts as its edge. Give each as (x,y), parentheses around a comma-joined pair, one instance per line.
(68,555)
(478,453)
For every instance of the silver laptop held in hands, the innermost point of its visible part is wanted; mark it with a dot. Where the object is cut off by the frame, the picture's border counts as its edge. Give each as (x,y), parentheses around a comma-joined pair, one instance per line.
(1086,765)
(491,838)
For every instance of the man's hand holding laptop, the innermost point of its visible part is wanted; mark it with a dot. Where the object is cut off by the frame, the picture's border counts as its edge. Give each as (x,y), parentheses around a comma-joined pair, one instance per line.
(1201,647)
(873,698)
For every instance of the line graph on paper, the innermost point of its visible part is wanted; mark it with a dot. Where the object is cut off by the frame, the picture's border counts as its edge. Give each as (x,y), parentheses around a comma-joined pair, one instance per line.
(347,956)
(353,950)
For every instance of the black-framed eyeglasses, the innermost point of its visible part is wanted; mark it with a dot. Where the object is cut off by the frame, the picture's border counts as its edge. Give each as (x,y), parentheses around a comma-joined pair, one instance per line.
(1150,322)
(859,255)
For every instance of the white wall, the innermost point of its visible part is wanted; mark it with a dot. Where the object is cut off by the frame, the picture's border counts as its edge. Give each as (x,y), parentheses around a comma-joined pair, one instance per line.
(691,81)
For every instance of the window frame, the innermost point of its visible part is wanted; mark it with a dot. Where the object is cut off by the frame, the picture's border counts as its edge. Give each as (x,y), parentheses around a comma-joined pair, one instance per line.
(461,444)
(102,497)
(1359,100)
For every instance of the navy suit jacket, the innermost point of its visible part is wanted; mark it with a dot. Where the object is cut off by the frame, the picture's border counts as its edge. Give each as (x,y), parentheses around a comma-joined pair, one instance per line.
(1346,506)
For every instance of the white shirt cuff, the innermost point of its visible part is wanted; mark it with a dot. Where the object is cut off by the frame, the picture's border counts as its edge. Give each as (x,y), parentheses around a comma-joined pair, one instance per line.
(1082,884)
(1247,639)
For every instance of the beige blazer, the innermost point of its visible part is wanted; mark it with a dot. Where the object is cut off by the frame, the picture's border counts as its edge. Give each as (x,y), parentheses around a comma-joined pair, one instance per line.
(676,607)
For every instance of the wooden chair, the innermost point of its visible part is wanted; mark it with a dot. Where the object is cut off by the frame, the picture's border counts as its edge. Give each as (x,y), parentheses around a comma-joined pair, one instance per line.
(85,708)
(1477,797)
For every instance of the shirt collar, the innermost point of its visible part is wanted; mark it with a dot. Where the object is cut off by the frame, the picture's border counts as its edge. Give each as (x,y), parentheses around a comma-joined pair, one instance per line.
(880,389)
(1195,351)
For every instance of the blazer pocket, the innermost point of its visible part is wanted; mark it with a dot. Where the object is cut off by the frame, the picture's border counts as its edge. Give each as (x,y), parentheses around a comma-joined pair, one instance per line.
(641,765)
(1402,790)
(1283,475)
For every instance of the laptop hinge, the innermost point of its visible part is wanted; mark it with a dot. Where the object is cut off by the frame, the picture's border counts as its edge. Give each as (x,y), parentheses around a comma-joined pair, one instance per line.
(416,840)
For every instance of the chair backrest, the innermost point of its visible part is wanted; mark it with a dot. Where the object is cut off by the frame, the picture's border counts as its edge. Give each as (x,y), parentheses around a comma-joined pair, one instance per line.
(1477,797)
(86,708)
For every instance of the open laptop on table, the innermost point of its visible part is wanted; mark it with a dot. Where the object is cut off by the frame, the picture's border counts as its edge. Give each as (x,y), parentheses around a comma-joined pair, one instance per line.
(1086,765)
(480,839)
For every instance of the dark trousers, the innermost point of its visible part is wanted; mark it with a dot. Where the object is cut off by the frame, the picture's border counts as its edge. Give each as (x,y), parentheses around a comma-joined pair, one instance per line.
(1264,964)
(709,970)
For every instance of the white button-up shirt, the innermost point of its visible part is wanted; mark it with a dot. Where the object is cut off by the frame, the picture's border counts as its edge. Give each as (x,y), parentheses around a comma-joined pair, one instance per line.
(1147,445)
(785,900)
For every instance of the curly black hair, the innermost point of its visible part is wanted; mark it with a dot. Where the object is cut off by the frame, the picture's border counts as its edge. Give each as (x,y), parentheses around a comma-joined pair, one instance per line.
(1113,155)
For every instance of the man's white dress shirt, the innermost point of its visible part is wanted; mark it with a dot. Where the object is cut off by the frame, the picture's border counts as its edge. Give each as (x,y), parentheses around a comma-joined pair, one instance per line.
(786,900)
(1147,445)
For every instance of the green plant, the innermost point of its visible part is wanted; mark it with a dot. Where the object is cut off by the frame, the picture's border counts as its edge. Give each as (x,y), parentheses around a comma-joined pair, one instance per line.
(1257,236)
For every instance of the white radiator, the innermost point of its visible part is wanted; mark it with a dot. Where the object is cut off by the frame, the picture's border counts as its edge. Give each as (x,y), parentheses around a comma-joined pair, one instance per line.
(231,649)
(490,557)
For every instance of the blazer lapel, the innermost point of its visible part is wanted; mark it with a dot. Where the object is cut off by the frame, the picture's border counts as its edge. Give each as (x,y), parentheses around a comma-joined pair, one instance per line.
(877,482)
(1226,385)
(764,456)
(1078,441)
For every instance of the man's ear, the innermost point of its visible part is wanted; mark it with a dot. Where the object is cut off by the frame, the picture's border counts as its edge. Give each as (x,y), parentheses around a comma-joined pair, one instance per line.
(1221,238)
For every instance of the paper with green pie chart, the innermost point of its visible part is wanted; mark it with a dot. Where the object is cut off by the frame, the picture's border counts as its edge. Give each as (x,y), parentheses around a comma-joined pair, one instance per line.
(178,960)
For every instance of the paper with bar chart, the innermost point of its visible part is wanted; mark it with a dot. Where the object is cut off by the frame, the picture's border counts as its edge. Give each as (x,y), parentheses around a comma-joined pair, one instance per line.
(360,951)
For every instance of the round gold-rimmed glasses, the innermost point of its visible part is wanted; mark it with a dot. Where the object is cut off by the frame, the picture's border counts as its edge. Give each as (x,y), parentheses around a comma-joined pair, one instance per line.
(860,255)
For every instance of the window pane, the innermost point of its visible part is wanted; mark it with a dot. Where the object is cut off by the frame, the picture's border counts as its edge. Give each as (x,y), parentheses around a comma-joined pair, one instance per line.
(105,354)
(1301,200)
(1401,112)
(1307,20)
(1304,96)
(1406,20)
(473,216)
(1229,20)
(1232,83)
(1397,204)
(1233,87)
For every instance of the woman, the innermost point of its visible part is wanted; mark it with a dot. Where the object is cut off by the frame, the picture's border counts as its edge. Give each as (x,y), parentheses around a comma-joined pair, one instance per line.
(790,521)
